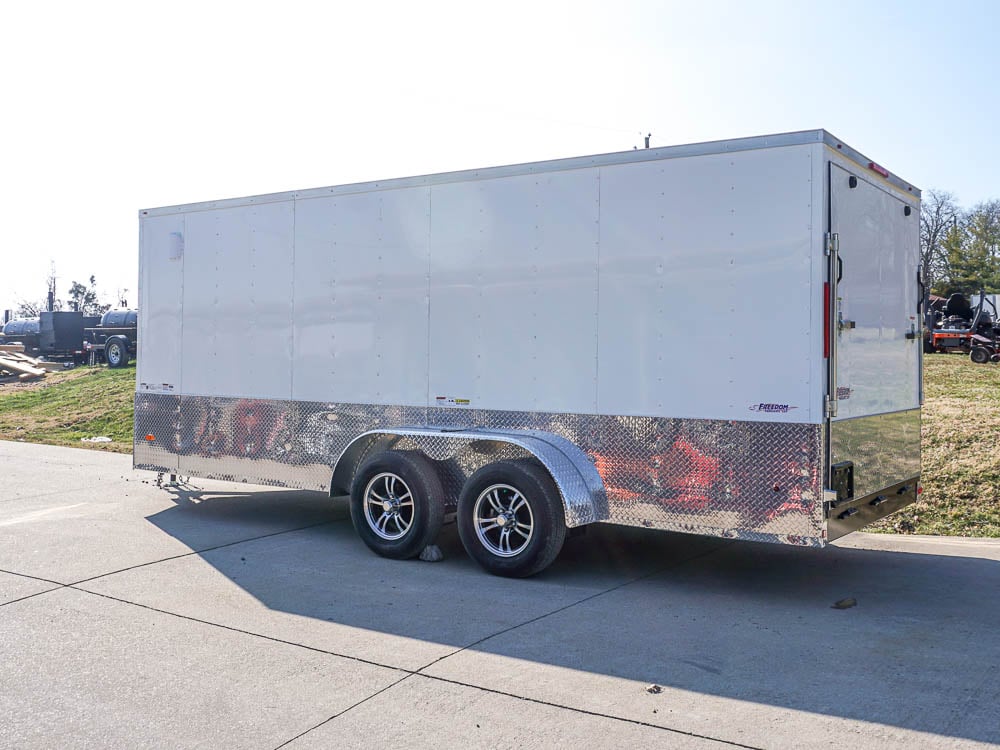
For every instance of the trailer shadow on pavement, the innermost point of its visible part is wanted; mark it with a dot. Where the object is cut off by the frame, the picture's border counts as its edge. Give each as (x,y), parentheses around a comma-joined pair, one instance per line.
(621,610)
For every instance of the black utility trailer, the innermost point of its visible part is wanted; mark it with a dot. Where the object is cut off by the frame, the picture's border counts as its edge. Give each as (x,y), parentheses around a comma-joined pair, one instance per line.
(55,336)
(60,334)
(114,340)
(21,331)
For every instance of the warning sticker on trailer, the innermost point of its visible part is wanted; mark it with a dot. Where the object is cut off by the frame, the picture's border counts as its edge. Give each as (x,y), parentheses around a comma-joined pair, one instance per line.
(451,401)
(156,387)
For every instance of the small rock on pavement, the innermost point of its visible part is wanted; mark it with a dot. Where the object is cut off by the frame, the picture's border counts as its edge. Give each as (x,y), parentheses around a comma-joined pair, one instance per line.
(654,689)
(432,553)
(844,603)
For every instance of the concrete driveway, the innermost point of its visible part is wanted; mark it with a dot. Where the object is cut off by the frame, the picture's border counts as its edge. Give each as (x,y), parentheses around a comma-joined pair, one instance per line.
(221,615)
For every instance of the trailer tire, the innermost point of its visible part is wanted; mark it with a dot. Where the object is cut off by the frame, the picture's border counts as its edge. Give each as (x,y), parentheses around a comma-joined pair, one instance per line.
(980,355)
(511,519)
(397,503)
(116,352)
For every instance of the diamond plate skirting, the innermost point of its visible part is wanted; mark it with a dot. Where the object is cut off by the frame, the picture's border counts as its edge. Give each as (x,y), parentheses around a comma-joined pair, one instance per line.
(752,480)
(885,449)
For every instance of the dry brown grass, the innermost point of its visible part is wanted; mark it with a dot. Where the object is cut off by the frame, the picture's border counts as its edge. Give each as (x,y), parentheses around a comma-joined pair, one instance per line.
(960,441)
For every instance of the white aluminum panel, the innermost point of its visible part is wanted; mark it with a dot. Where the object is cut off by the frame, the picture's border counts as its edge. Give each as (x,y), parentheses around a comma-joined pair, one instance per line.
(878,367)
(161,281)
(706,294)
(514,292)
(237,322)
(361,264)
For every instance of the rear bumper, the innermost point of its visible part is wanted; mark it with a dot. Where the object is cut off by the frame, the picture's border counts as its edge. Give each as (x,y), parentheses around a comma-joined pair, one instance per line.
(845,516)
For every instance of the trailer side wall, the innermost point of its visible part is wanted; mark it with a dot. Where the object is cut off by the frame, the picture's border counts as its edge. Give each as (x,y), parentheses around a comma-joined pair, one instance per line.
(576,292)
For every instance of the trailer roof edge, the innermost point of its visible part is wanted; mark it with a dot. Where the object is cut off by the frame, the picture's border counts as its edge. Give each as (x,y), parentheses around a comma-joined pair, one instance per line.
(865,163)
(795,138)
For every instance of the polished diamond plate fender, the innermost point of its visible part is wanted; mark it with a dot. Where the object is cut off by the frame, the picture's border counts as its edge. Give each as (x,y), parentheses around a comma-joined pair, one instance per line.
(581,488)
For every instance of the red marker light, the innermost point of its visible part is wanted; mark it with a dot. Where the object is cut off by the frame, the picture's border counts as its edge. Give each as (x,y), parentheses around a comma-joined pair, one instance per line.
(920,489)
(826,320)
(877,169)
(150,438)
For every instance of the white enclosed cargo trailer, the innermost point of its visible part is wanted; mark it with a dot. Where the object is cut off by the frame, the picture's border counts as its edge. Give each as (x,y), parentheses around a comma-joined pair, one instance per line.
(530,346)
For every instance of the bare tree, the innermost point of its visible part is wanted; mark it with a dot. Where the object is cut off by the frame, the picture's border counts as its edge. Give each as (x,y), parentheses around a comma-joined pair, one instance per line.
(27,309)
(939,215)
(30,309)
(51,302)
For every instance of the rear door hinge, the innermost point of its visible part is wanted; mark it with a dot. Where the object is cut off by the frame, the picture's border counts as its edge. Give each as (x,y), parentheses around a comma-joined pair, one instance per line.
(831,407)
(832,243)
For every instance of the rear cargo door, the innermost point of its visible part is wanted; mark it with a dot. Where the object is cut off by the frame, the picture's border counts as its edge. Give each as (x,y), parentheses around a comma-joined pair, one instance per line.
(875,324)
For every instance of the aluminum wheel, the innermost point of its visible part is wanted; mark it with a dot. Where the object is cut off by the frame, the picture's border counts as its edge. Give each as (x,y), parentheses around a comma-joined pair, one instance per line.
(388,506)
(503,519)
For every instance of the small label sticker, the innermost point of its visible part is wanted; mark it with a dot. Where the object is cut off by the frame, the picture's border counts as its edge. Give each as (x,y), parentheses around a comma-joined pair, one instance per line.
(156,387)
(451,401)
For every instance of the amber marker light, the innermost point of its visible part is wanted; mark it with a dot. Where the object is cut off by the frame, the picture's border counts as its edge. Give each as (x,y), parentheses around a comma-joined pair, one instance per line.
(150,438)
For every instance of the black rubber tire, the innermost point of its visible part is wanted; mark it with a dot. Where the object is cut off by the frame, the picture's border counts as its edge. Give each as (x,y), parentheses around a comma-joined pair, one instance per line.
(419,476)
(535,484)
(980,355)
(116,352)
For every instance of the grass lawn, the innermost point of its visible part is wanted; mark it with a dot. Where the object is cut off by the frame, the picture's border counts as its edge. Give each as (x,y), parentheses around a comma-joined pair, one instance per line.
(960,440)
(66,406)
(961,435)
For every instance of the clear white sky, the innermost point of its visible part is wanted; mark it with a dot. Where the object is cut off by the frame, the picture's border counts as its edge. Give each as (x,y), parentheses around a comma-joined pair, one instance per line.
(111,107)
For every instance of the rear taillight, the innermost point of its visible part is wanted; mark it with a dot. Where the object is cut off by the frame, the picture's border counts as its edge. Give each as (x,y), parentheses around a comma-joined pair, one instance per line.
(826,320)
